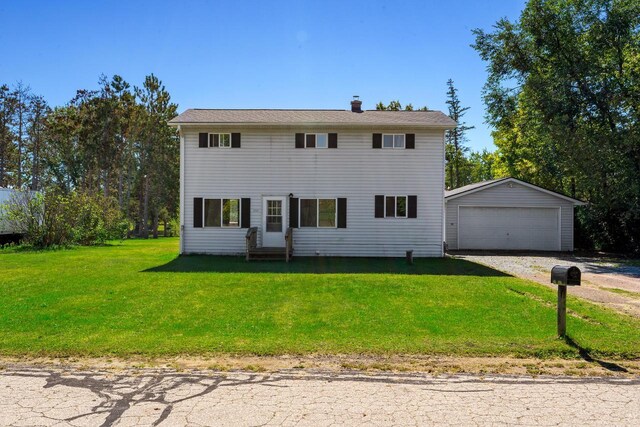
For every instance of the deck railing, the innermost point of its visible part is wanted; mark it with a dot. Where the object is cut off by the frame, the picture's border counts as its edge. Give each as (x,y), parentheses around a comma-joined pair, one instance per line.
(288,238)
(251,240)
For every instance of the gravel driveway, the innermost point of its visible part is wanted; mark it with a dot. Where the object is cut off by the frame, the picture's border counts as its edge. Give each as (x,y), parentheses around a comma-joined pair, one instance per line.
(609,283)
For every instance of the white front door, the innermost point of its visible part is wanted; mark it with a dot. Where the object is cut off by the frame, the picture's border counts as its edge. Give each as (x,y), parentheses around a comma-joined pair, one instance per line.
(273,225)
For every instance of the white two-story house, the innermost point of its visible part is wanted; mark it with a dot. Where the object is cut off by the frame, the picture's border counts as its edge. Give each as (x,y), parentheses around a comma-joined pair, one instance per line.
(328,182)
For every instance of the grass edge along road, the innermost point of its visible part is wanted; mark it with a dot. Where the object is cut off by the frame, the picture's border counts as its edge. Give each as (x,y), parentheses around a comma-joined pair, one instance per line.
(138,298)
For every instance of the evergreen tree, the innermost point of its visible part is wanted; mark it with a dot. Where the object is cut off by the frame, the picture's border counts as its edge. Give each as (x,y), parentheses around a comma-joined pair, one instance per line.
(7,109)
(455,148)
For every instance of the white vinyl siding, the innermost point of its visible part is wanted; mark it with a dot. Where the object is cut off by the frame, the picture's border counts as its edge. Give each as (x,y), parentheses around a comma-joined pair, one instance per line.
(269,165)
(513,195)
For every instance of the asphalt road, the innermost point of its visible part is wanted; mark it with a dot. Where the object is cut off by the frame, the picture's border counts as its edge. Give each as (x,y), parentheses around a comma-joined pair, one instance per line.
(32,396)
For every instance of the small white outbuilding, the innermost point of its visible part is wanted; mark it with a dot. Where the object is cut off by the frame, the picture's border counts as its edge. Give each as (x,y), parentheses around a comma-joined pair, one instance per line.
(508,214)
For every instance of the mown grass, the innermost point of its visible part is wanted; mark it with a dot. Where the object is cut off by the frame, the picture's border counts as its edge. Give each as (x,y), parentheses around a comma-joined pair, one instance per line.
(138,298)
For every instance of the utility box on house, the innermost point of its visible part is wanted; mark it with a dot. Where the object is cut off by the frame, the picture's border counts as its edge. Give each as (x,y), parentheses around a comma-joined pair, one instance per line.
(565,275)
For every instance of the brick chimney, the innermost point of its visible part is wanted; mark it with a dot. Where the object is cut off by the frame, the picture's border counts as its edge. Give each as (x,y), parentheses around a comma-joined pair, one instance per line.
(356,105)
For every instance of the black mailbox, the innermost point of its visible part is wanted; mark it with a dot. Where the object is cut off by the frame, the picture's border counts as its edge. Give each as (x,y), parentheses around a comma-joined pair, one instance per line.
(565,275)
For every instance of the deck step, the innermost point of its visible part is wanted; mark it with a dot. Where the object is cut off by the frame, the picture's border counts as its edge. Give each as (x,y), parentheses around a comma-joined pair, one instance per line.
(267,253)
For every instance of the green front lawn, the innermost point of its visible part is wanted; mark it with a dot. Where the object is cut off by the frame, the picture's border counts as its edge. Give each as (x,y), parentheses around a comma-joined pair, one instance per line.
(139,298)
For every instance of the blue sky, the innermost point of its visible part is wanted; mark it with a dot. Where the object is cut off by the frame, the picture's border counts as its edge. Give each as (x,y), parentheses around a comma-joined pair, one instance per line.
(256,54)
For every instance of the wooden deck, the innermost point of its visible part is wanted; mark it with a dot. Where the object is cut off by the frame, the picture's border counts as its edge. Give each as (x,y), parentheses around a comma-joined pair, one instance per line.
(268,254)
(253,252)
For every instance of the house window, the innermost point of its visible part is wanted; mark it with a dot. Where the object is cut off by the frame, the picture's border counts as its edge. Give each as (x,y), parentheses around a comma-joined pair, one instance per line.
(395,206)
(326,212)
(222,213)
(231,212)
(319,213)
(220,140)
(393,141)
(308,213)
(316,140)
(212,213)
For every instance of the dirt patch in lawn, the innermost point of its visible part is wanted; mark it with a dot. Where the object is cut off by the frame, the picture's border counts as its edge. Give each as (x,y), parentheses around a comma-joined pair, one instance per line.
(434,365)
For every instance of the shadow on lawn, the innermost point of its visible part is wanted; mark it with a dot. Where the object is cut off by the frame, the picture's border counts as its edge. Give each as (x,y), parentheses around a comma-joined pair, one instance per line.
(326,265)
(584,353)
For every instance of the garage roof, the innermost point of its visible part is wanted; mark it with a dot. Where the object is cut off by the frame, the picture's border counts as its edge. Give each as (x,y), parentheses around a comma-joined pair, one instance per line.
(479,186)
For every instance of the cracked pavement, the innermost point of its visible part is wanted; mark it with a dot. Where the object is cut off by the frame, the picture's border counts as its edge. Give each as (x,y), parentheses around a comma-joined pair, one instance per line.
(57,396)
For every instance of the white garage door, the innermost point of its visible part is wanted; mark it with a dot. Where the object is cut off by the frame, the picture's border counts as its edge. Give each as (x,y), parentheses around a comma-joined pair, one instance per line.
(508,228)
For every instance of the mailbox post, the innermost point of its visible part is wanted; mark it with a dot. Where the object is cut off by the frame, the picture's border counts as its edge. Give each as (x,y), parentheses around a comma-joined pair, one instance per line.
(564,276)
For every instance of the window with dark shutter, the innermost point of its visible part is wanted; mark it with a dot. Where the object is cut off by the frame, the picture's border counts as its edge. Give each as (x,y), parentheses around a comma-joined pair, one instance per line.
(342,213)
(311,140)
(379,207)
(203,140)
(410,141)
(390,206)
(293,212)
(333,140)
(235,140)
(377,140)
(245,209)
(197,212)
(413,207)
(299,140)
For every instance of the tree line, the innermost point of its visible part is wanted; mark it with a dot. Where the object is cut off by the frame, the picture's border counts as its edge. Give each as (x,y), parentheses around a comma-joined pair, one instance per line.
(111,143)
(563,95)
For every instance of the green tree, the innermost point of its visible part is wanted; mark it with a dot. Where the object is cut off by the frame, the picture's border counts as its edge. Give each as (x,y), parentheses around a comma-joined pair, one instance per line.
(455,148)
(563,94)
(397,106)
(159,148)
(7,152)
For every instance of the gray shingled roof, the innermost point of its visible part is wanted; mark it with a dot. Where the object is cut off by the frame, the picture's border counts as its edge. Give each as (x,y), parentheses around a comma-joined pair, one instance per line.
(478,185)
(471,187)
(330,117)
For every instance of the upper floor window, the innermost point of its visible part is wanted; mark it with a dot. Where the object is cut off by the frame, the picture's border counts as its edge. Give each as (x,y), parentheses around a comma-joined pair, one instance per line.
(316,140)
(225,140)
(393,141)
(220,140)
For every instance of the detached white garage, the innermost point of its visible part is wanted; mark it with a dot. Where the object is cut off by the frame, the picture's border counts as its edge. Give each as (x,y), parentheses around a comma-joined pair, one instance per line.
(508,214)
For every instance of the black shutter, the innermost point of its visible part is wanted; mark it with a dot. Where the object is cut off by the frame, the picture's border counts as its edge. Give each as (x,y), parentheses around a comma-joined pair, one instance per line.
(197,212)
(333,140)
(410,141)
(203,140)
(377,140)
(379,207)
(342,213)
(293,212)
(412,211)
(299,140)
(245,207)
(235,140)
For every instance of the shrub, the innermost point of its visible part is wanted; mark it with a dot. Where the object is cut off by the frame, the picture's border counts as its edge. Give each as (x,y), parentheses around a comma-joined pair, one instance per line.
(64,219)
